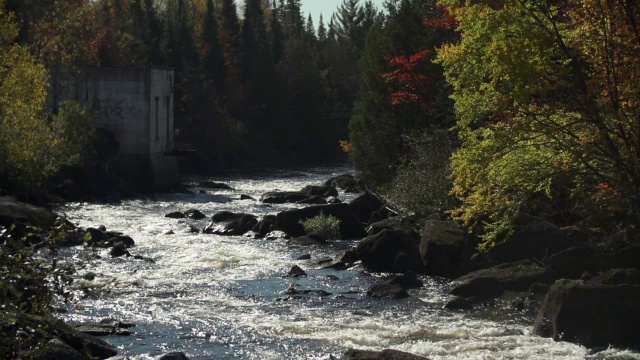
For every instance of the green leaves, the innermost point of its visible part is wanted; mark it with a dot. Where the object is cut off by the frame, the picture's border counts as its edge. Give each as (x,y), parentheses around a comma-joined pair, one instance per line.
(33,147)
(536,119)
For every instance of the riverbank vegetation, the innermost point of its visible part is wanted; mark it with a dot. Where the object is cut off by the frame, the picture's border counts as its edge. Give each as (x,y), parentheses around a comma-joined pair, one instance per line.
(544,115)
(478,111)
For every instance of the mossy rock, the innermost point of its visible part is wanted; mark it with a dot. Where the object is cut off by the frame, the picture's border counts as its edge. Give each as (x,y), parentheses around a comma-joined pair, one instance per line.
(14,212)
(39,331)
(514,276)
(618,277)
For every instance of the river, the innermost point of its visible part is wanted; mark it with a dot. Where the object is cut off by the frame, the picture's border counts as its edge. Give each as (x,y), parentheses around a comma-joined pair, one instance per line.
(216,297)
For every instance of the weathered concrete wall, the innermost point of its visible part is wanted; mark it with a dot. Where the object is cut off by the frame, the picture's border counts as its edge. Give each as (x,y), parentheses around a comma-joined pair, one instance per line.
(136,104)
(161,110)
(118,98)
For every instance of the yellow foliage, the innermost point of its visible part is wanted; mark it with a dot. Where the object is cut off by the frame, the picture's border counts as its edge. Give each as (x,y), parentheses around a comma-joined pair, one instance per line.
(345,145)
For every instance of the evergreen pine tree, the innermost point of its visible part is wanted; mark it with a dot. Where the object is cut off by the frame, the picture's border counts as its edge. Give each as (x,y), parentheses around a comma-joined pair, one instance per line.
(211,51)
(310,29)
(229,35)
(322,31)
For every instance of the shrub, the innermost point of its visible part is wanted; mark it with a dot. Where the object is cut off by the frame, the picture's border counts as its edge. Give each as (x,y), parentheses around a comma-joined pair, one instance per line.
(322,226)
(422,183)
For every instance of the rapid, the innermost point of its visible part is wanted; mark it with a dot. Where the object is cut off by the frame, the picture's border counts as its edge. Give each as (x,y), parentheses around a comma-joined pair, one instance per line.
(216,297)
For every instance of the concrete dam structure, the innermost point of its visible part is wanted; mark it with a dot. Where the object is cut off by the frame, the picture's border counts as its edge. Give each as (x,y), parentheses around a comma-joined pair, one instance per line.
(136,105)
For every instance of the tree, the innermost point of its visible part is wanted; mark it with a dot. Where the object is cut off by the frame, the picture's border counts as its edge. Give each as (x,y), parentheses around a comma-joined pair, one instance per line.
(322,31)
(544,103)
(32,148)
(310,29)
(229,36)
(210,50)
(253,40)
(401,93)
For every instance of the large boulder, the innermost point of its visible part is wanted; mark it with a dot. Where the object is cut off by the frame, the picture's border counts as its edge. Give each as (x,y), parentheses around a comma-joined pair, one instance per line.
(387,291)
(478,287)
(391,251)
(406,281)
(441,246)
(365,205)
(345,182)
(389,354)
(214,185)
(175,215)
(194,214)
(176,355)
(404,223)
(628,257)
(592,315)
(13,212)
(618,277)
(55,349)
(534,239)
(292,197)
(44,337)
(228,223)
(320,190)
(515,276)
(266,225)
(571,263)
(350,228)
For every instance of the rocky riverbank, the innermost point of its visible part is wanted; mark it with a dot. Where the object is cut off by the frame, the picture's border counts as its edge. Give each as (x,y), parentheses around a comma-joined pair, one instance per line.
(580,294)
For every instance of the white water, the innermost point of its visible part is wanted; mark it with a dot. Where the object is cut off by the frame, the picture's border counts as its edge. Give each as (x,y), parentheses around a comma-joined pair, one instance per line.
(217,297)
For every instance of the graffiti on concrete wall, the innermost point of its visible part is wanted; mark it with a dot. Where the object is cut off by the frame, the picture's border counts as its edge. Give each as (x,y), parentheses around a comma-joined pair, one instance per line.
(109,108)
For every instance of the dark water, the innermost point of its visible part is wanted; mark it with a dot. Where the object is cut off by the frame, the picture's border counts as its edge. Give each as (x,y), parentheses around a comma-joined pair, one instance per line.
(219,297)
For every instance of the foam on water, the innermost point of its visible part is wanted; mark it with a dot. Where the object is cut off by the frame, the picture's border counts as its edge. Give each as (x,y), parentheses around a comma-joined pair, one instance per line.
(217,297)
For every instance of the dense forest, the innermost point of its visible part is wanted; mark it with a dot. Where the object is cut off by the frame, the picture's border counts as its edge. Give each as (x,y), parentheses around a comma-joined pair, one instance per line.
(478,110)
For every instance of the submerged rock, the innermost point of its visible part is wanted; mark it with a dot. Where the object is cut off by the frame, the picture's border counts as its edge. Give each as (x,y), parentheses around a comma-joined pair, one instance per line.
(178,355)
(194,214)
(296,271)
(354,354)
(318,292)
(387,291)
(406,281)
(306,241)
(105,327)
(175,215)
(292,197)
(214,185)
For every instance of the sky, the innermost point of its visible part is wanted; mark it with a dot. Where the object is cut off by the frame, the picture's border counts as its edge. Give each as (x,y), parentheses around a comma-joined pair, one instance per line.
(326,8)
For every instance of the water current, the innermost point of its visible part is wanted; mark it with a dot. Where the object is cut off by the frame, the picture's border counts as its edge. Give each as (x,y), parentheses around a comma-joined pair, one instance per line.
(216,297)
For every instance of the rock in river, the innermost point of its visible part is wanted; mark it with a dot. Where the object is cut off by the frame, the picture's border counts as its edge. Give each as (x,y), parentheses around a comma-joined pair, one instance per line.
(389,354)
(390,251)
(228,223)
(292,197)
(592,315)
(350,228)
